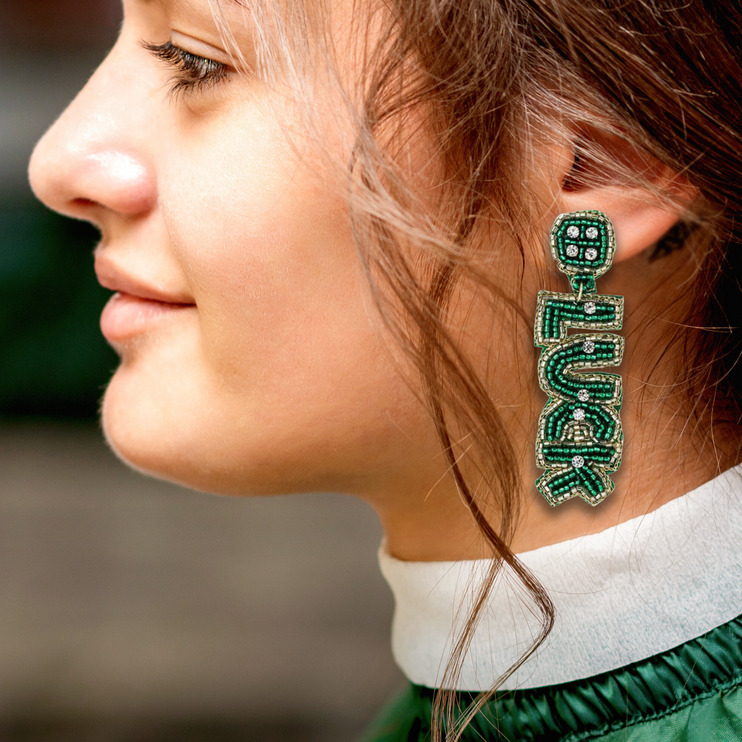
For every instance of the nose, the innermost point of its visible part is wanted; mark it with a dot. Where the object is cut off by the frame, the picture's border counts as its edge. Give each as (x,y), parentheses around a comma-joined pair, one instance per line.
(95,162)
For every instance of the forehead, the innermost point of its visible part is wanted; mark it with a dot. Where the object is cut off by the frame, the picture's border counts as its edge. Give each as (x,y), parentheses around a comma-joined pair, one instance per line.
(222,16)
(187,6)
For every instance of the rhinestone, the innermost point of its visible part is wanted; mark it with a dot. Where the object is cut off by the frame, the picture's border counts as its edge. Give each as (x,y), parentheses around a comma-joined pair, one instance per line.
(588,346)
(573,231)
(591,233)
(591,253)
(579,414)
(578,462)
(590,307)
(572,251)
(583,395)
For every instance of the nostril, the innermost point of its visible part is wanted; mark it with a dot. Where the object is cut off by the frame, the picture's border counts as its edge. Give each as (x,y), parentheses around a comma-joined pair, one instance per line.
(84,202)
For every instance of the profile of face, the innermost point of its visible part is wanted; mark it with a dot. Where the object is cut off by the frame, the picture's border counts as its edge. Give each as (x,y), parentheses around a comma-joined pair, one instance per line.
(251,360)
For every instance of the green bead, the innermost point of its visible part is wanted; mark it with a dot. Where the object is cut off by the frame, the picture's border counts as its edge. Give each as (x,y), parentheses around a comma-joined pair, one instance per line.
(555,313)
(580,438)
(583,244)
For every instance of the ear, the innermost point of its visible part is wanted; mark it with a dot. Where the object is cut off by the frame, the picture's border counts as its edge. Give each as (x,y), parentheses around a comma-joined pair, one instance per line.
(629,191)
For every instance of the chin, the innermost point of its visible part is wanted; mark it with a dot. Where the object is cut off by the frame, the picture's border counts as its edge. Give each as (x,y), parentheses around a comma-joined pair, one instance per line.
(152,417)
(142,445)
(170,439)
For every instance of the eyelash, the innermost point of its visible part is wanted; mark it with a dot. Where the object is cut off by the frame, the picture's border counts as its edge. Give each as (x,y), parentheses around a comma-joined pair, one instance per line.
(193,73)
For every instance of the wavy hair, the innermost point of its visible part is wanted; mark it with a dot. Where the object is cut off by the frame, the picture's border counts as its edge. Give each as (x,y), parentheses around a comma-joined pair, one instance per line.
(478,79)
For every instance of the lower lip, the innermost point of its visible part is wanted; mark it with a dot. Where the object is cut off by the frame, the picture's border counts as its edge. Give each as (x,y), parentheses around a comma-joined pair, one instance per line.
(126,316)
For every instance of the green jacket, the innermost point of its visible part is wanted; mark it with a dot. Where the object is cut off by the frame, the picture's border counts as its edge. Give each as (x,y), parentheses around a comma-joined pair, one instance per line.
(691,693)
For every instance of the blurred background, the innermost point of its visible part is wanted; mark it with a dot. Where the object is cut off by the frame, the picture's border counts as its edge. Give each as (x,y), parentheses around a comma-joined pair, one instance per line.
(131,609)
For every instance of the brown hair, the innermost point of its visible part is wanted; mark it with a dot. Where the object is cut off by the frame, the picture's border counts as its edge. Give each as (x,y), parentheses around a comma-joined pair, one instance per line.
(478,76)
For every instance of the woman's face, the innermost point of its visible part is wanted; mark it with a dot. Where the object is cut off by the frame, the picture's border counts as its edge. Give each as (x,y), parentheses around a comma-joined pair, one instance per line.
(250,358)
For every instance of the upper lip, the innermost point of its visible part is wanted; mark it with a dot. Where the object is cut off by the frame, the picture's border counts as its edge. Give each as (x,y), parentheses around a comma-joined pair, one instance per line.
(112,277)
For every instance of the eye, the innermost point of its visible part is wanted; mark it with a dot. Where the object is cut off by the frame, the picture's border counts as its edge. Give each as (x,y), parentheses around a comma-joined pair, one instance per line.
(192,72)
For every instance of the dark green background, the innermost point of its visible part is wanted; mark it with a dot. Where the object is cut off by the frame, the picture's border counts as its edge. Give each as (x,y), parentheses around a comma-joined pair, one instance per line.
(55,362)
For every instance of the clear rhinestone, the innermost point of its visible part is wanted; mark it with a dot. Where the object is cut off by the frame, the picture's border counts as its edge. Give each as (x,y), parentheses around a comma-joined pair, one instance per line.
(591,253)
(583,395)
(579,414)
(588,346)
(572,251)
(590,307)
(578,462)
(591,233)
(573,231)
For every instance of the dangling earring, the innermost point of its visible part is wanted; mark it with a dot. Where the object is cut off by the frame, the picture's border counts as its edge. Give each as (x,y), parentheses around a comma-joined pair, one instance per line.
(580,439)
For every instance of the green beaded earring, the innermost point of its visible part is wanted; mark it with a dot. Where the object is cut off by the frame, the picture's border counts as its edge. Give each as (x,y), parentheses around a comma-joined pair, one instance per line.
(580,439)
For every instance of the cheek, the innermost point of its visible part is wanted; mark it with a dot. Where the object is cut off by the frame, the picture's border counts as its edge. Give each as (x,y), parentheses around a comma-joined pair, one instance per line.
(280,382)
(266,247)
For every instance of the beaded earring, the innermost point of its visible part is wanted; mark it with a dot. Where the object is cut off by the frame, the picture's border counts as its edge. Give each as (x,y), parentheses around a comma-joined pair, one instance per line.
(580,439)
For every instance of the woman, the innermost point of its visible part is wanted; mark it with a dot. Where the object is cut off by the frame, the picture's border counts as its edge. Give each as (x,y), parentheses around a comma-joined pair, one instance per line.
(326,224)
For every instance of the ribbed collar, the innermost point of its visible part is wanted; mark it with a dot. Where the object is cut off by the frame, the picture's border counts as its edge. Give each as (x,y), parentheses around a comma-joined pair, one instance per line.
(622,595)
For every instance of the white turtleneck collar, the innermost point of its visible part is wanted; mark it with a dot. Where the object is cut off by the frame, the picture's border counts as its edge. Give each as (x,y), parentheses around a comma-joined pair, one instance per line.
(622,595)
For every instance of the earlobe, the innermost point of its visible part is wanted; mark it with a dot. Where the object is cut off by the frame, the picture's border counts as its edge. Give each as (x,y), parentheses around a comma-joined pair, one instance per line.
(640,218)
(641,214)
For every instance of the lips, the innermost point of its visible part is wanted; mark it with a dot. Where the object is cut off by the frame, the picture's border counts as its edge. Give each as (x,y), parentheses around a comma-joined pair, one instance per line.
(137,306)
